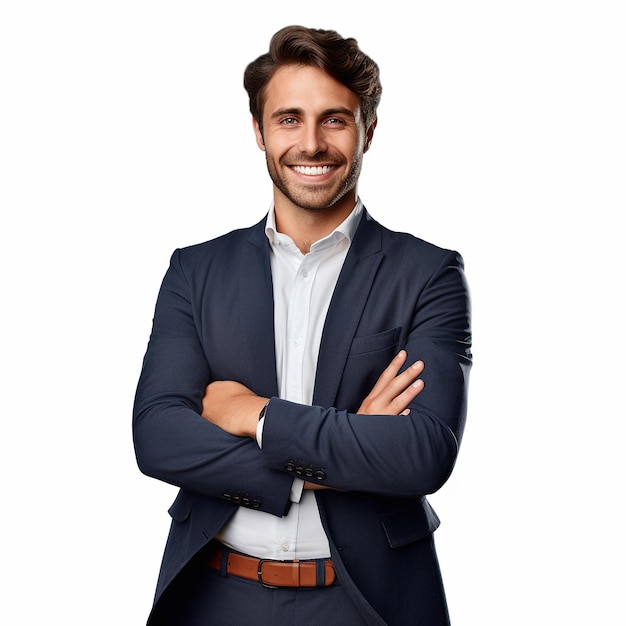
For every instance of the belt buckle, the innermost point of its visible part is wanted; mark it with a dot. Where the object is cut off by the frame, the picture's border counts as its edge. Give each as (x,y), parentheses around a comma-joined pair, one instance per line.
(260,574)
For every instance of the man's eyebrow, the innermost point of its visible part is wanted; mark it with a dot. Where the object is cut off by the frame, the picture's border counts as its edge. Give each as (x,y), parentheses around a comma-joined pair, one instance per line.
(339,111)
(300,112)
(286,111)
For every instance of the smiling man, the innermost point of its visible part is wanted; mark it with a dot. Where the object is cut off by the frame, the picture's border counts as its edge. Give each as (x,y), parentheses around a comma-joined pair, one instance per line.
(305,383)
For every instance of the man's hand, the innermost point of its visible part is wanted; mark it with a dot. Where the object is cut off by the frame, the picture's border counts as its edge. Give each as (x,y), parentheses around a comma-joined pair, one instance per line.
(393,392)
(232,407)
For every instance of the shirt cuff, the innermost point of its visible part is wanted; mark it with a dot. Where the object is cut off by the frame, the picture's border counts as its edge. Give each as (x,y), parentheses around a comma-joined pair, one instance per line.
(259,432)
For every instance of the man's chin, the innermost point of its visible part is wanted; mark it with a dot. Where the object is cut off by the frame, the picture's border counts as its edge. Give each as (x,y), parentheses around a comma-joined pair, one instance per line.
(319,200)
(317,206)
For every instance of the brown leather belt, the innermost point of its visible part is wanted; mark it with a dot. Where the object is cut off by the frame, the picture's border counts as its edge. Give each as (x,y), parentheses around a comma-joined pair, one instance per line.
(273,574)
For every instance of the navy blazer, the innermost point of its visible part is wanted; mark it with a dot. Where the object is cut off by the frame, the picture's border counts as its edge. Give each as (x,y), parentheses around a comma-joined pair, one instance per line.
(214,321)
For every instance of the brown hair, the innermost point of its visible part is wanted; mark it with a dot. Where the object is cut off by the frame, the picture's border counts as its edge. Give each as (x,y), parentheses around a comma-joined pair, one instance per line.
(340,58)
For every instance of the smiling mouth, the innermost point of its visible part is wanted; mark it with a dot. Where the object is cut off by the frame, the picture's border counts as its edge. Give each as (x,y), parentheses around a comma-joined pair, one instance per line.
(315,170)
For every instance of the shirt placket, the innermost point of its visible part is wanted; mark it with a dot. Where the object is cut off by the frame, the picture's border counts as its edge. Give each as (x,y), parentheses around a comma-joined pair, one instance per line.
(297,330)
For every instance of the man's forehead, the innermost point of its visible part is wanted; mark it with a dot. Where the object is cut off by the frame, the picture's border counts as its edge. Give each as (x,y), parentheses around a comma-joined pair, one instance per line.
(306,88)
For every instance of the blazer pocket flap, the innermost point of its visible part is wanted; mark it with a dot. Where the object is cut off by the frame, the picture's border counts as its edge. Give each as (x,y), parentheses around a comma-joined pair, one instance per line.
(409,525)
(181,507)
(373,343)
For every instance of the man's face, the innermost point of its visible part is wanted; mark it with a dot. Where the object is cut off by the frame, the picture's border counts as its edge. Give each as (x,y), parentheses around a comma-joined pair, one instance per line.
(313,137)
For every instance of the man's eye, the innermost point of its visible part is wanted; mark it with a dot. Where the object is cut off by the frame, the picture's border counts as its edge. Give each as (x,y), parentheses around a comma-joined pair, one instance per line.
(334,121)
(288,121)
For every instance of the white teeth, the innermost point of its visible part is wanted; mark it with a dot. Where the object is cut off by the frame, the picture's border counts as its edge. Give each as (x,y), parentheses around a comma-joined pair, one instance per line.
(312,171)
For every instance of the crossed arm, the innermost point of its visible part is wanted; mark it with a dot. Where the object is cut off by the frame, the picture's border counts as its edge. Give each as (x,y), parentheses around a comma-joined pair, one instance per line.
(235,408)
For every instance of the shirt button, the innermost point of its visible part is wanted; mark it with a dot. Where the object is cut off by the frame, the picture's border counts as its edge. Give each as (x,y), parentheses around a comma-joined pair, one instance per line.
(285,547)
(305,273)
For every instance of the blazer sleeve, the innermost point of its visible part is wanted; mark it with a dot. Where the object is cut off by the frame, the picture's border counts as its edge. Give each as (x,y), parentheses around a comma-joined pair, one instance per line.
(172,441)
(405,456)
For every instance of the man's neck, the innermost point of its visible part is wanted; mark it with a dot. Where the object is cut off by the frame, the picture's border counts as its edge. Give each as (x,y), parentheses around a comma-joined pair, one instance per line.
(306,226)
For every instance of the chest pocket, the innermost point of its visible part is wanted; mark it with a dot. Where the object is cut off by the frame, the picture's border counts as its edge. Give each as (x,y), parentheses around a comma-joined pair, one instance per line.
(373,343)
(369,356)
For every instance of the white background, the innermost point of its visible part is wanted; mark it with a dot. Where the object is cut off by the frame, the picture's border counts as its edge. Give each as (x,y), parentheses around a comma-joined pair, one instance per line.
(125,133)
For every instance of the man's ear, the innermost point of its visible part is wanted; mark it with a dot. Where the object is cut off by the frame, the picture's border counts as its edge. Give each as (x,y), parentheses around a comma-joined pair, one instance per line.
(258,134)
(369,135)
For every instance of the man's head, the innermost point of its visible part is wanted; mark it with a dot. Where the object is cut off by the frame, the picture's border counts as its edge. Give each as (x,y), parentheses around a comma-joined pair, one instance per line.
(326,49)
(313,99)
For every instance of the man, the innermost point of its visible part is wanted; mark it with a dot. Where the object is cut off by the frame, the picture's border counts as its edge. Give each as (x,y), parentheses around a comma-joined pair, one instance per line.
(305,382)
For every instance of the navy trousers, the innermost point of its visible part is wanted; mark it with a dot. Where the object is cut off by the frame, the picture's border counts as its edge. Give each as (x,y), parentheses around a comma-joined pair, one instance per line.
(201,596)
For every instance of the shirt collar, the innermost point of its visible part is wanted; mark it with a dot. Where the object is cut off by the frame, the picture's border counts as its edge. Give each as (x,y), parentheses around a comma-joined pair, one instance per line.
(347,228)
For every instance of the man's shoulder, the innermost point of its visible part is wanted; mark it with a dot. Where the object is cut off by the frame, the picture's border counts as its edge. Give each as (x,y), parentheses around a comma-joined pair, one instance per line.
(221,255)
(397,242)
(224,243)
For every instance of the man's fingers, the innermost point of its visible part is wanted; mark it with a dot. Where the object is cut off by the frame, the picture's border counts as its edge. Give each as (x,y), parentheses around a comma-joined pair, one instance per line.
(402,401)
(401,383)
(393,392)
(389,373)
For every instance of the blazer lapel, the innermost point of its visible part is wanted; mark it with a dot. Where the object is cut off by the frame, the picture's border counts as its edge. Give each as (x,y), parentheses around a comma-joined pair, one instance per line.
(257,312)
(346,307)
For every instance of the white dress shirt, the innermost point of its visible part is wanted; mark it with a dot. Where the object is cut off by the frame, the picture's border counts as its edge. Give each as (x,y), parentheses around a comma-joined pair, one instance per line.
(303,287)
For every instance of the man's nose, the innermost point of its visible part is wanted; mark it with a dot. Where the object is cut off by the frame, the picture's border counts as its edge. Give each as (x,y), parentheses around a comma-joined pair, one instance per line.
(312,140)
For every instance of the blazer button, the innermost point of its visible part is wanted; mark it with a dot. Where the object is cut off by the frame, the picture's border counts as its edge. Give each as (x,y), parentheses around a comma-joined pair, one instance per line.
(290,467)
(320,475)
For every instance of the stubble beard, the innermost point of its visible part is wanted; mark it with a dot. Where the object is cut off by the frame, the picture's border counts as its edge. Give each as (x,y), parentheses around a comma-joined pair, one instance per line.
(319,197)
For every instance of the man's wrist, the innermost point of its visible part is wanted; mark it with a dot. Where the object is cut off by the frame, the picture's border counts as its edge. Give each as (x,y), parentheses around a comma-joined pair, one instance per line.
(259,414)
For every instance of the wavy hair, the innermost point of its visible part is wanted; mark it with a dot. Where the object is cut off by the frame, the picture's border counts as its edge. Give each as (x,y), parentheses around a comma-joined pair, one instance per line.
(326,49)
